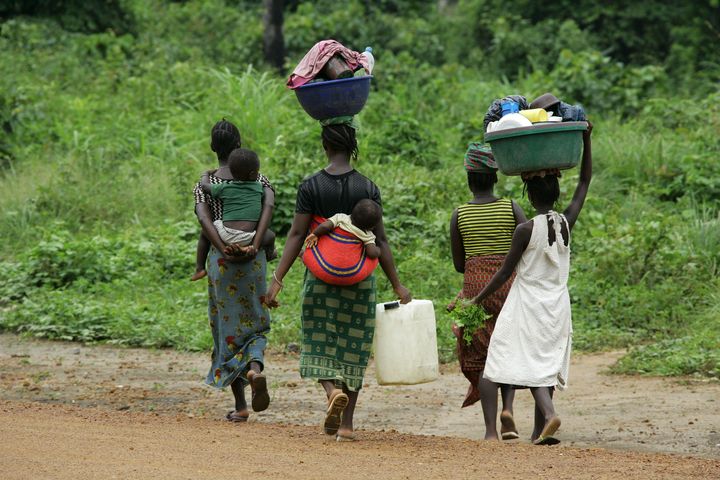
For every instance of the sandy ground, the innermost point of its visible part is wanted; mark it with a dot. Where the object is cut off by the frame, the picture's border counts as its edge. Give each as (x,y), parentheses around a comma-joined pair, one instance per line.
(74,411)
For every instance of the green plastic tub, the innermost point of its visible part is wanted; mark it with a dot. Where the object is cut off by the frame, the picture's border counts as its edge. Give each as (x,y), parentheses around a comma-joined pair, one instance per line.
(541,146)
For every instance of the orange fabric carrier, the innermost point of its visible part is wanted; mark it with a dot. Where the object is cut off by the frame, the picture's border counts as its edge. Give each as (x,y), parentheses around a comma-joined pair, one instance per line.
(338,258)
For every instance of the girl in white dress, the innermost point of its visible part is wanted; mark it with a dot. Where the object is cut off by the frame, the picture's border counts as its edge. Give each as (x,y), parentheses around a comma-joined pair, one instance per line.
(533,335)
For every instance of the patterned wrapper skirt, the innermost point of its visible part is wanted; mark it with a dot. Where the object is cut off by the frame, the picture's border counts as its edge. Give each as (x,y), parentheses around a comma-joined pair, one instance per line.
(478,272)
(238,320)
(338,324)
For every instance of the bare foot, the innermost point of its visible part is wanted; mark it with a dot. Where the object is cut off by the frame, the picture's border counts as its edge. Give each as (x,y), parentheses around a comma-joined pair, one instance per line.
(271,255)
(237,250)
(198,275)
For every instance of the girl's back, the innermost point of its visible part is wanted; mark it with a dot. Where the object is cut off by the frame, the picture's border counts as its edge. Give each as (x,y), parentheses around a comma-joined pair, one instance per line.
(545,263)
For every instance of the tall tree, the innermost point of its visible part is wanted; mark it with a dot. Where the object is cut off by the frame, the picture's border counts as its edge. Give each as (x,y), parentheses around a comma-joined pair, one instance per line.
(273,41)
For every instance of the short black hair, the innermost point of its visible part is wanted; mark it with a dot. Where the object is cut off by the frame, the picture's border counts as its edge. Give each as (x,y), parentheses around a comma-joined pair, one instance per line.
(478,181)
(366,214)
(543,190)
(340,138)
(242,163)
(224,138)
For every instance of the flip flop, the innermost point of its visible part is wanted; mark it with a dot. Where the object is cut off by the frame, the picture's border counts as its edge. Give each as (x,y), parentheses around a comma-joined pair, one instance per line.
(508,430)
(260,395)
(336,405)
(546,436)
(235,417)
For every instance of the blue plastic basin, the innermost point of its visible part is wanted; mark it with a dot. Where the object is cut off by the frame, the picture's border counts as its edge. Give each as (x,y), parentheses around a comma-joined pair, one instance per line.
(334,98)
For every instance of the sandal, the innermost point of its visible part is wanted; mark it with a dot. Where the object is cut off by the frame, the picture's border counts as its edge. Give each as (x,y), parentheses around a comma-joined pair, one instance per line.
(336,405)
(546,436)
(344,435)
(260,395)
(508,430)
(237,417)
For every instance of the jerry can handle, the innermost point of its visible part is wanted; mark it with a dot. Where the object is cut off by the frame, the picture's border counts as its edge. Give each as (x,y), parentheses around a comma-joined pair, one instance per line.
(391,305)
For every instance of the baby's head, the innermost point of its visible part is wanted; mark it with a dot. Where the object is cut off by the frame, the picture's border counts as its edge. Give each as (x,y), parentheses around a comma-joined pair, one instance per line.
(244,165)
(366,214)
(543,191)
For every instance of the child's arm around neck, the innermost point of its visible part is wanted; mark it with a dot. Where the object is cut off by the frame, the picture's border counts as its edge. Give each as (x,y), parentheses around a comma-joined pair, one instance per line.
(573,210)
(205,182)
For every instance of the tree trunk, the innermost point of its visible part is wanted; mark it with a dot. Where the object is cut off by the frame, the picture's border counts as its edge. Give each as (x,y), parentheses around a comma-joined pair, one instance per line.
(273,41)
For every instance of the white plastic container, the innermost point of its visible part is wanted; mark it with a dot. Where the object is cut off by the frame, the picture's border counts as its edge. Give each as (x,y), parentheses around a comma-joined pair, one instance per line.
(405,343)
(370,59)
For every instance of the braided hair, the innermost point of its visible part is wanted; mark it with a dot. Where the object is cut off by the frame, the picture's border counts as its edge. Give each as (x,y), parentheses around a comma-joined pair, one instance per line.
(225,138)
(340,138)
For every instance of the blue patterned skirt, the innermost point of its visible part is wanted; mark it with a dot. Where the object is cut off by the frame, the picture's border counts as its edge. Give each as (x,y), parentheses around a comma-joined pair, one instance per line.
(238,320)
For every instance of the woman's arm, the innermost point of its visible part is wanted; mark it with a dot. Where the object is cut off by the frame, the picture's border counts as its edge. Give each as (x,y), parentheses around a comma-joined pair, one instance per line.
(293,245)
(388,264)
(456,244)
(520,241)
(572,211)
(265,218)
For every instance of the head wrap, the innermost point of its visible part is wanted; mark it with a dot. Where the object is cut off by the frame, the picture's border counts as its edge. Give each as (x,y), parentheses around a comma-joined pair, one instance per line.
(479,158)
(348,120)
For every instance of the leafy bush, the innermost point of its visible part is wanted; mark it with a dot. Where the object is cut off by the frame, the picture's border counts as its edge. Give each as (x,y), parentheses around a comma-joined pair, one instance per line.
(104,134)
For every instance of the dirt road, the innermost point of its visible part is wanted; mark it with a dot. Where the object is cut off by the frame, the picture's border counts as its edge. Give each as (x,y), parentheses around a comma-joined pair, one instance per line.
(71,411)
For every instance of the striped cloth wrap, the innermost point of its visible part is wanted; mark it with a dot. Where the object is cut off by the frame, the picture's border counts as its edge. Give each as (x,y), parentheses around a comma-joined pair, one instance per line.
(338,258)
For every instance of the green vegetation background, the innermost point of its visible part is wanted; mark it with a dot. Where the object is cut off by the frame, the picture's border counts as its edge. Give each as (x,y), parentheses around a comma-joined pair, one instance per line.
(105,122)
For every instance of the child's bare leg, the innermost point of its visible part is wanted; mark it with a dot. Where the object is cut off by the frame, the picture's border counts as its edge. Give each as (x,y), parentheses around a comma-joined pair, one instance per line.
(372,250)
(543,400)
(268,244)
(508,396)
(539,419)
(203,248)
(508,430)
(488,400)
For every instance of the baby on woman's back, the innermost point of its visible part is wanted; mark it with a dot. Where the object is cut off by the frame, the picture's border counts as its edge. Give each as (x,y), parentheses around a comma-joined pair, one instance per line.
(365,216)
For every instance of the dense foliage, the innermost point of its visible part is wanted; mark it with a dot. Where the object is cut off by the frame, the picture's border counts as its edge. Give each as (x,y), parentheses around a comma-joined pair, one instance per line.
(105,131)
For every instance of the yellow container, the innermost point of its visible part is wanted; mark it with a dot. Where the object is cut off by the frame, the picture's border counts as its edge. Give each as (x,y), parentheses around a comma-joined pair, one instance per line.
(535,115)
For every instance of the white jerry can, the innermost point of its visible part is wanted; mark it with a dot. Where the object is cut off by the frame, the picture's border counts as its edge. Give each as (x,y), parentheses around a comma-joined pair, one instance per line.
(405,343)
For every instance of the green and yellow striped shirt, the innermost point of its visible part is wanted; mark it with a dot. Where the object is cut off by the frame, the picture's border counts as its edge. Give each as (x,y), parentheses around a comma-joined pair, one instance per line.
(486,229)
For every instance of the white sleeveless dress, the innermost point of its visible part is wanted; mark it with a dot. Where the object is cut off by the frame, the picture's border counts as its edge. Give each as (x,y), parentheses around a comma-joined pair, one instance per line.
(533,335)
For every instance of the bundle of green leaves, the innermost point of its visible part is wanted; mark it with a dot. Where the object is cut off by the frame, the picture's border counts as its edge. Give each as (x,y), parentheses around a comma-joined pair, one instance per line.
(470,318)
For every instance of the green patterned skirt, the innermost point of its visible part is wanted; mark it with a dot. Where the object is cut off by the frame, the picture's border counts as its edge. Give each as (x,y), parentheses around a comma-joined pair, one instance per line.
(338,324)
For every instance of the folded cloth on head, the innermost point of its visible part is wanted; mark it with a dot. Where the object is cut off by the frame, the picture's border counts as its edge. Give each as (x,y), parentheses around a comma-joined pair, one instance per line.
(314,61)
(541,173)
(479,158)
(348,120)
(338,258)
